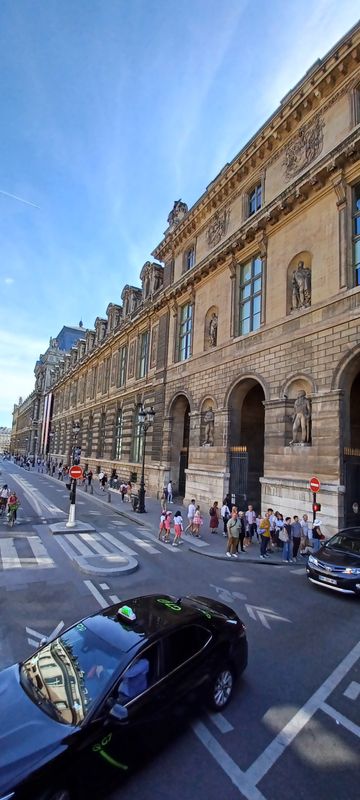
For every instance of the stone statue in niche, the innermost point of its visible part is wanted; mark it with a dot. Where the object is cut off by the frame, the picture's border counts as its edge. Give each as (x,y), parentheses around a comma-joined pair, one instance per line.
(177,213)
(209,427)
(213,326)
(301,287)
(301,419)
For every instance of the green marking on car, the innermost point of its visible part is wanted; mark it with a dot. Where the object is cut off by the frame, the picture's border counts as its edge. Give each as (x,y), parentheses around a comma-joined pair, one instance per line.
(169,604)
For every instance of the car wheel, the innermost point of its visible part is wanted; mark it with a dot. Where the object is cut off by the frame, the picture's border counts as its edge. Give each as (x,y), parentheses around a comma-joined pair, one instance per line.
(221,688)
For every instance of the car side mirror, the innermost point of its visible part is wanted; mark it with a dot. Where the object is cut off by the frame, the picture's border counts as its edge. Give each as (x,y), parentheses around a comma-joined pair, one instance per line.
(119,713)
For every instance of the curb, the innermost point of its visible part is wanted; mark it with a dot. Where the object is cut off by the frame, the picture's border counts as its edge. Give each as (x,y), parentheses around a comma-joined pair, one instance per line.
(222,557)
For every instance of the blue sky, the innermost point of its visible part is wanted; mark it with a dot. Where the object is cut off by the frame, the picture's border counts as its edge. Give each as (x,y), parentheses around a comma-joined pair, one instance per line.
(111,110)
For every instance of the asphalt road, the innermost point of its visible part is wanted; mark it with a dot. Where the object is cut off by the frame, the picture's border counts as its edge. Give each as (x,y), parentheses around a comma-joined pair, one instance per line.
(293,728)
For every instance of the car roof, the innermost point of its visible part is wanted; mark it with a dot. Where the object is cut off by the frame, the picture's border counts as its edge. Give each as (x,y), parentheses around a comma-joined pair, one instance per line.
(352,531)
(154,615)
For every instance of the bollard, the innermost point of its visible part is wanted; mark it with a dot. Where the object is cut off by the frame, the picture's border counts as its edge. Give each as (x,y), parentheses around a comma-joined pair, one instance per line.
(85,487)
(109,497)
(91,489)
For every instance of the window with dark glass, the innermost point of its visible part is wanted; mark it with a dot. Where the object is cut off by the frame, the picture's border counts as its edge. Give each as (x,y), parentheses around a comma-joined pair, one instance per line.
(143,354)
(90,436)
(190,258)
(250,290)
(255,199)
(118,435)
(106,375)
(138,439)
(185,331)
(182,645)
(122,365)
(101,442)
(356,234)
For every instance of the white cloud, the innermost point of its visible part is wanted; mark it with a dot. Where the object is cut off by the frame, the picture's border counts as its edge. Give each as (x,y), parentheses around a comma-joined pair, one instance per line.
(8,281)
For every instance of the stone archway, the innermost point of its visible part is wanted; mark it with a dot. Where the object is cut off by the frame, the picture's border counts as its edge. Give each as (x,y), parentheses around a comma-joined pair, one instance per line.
(352,455)
(179,451)
(246,442)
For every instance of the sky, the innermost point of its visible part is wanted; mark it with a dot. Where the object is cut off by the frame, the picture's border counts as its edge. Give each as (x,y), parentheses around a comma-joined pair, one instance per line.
(111,110)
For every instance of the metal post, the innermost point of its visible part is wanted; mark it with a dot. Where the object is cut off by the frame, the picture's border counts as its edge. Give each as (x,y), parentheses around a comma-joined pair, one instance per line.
(142,509)
(71,521)
(314,512)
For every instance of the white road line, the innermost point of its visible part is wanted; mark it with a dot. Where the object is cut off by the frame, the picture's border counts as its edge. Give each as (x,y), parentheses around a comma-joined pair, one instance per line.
(352,691)
(103,586)
(9,556)
(284,738)
(95,544)
(340,719)
(41,555)
(226,763)
(95,593)
(221,723)
(114,598)
(144,543)
(78,545)
(119,545)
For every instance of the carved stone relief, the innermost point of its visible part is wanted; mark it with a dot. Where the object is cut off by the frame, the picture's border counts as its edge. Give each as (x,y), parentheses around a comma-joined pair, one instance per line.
(217,227)
(154,341)
(306,146)
(177,213)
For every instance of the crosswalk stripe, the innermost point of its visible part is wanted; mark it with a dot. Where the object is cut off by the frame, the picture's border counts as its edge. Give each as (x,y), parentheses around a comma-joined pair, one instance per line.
(79,545)
(95,544)
(119,545)
(9,556)
(144,543)
(40,553)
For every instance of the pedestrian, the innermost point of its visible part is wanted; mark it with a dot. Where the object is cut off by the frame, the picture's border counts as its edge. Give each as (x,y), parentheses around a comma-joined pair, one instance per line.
(214,517)
(60,472)
(190,515)
(242,531)
(272,520)
(89,477)
(198,521)
(317,535)
(162,530)
(285,538)
(128,491)
(225,515)
(305,540)
(103,481)
(163,501)
(295,536)
(4,494)
(167,526)
(178,528)
(264,531)
(229,502)
(278,529)
(250,523)
(123,490)
(233,529)
(170,492)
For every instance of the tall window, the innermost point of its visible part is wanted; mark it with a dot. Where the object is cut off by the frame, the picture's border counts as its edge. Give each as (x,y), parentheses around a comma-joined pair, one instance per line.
(101,441)
(118,435)
(138,439)
(255,199)
(143,354)
(122,365)
(189,260)
(356,234)
(90,436)
(250,296)
(185,331)
(106,375)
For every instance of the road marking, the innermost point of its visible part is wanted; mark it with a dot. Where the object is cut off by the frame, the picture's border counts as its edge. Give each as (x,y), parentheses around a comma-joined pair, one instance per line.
(221,723)
(119,545)
(263,614)
(104,586)
(78,545)
(39,636)
(95,544)
(226,596)
(285,737)
(353,690)
(144,543)
(95,593)
(114,598)
(340,719)
(41,555)
(9,556)
(226,763)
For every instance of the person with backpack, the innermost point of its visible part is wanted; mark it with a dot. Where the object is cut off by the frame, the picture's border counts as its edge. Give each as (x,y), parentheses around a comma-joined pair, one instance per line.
(214,517)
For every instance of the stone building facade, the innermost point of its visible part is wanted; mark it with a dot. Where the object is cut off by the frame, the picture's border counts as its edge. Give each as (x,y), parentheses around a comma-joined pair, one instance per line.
(244,335)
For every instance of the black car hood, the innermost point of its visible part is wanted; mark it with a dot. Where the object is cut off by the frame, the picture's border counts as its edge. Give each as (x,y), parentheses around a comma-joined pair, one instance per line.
(337,557)
(27,734)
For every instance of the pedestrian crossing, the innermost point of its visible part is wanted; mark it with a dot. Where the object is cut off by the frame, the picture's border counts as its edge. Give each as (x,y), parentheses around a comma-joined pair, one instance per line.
(24,552)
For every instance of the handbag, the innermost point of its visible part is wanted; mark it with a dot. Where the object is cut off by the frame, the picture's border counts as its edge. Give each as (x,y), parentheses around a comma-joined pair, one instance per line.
(283,535)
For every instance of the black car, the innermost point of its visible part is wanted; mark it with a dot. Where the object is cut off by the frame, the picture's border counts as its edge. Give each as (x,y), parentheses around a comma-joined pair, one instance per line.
(337,564)
(91,696)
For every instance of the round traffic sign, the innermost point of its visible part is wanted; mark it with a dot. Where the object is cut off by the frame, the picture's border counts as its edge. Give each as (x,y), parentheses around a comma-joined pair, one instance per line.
(75,472)
(314,484)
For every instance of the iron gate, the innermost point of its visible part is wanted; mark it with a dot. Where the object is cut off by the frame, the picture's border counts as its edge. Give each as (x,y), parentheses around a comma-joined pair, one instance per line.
(239,466)
(352,485)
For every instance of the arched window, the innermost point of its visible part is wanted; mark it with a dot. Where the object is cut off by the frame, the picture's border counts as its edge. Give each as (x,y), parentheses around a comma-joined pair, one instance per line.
(118,435)
(138,440)
(189,258)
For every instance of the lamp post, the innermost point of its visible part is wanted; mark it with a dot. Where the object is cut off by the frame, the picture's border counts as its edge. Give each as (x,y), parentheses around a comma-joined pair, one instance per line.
(146,419)
(71,521)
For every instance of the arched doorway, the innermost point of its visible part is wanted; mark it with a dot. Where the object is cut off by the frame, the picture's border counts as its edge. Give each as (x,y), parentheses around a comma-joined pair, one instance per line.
(179,454)
(246,442)
(352,457)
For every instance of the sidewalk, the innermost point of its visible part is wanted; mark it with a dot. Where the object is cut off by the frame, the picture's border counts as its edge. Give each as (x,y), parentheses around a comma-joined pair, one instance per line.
(210,545)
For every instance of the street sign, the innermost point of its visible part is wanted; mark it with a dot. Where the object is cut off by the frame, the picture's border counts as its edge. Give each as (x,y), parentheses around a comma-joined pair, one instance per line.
(314,484)
(75,472)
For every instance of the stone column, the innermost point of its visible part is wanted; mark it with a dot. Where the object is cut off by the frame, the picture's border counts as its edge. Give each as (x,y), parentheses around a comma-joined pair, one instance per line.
(342,190)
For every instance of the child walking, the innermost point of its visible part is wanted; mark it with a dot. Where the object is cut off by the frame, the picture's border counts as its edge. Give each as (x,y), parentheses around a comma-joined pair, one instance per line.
(178,527)
(162,530)
(167,524)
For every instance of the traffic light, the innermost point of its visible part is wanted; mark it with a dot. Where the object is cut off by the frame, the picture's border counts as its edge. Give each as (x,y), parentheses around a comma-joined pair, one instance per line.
(316,507)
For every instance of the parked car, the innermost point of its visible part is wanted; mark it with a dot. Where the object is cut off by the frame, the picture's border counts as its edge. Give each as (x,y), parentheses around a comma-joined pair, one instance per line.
(336,565)
(96,695)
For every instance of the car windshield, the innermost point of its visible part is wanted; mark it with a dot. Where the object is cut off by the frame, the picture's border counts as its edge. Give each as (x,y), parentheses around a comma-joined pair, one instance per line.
(346,543)
(66,676)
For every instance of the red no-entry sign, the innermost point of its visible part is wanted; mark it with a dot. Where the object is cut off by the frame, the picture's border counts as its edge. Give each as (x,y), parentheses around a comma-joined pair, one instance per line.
(314,484)
(75,472)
